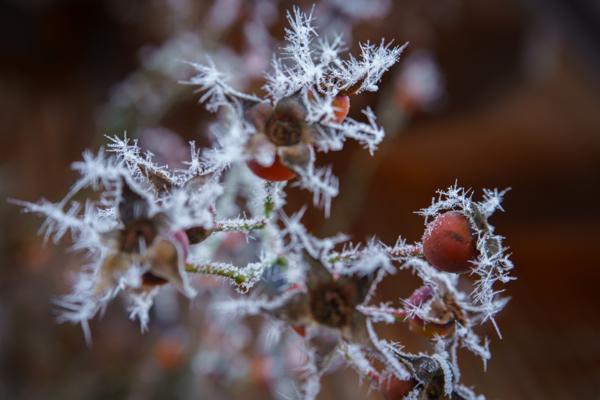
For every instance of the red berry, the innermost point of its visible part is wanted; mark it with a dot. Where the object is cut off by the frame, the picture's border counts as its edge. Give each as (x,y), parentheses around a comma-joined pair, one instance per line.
(449,244)
(341,105)
(277,172)
(396,389)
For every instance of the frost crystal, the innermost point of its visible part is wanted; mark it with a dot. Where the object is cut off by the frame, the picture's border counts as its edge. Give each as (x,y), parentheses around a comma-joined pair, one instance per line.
(308,77)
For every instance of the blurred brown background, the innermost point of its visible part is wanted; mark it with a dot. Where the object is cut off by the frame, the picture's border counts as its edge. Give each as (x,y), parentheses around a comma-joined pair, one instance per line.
(521,110)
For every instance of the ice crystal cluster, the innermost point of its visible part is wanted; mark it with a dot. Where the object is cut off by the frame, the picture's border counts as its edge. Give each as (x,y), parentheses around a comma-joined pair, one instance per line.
(150,226)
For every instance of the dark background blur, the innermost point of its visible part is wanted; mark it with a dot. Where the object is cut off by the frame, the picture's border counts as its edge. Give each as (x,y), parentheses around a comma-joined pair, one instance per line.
(521,110)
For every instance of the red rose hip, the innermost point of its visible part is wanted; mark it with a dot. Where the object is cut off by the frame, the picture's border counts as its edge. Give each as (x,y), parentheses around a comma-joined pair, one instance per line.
(277,172)
(449,244)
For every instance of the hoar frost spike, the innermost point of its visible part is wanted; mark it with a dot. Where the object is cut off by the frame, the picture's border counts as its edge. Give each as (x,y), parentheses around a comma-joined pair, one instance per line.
(145,226)
(303,110)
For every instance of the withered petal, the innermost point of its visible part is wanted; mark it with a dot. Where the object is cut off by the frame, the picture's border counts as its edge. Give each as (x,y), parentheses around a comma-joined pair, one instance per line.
(112,267)
(296,156)
(357,330)
(294,309)
(132,205)
(260,149)
(166,261)
(258,114)
(195,183)
(158,179)
(317,274)
(324,343)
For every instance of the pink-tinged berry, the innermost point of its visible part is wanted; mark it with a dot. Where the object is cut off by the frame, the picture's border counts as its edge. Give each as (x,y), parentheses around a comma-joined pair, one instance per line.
(341,105)
(427,328)
(276,172)
(449,243)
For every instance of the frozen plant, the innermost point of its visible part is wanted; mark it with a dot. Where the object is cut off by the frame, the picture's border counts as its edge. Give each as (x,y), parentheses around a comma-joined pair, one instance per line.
(149,225)
(304,109)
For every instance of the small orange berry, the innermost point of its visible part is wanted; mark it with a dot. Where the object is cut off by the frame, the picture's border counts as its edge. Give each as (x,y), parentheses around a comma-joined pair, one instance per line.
(276,172)
(341,105)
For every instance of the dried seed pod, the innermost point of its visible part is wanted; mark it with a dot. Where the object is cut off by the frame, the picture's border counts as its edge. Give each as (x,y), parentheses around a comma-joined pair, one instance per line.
(286,125)
(197,234)
(331,305)
(428,372)
(333,301)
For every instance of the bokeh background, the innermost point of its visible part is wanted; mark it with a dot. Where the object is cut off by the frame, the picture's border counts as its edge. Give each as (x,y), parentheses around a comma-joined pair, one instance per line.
(517,104)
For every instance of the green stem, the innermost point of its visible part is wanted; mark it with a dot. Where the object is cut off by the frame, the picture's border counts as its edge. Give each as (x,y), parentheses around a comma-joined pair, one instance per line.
(269,205)
(223,270)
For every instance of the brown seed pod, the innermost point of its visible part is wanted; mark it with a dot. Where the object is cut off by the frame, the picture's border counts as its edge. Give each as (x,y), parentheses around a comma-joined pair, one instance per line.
(137,234)
(286,125)
(331,305)
(333,301)
(158,179)
(197,234)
